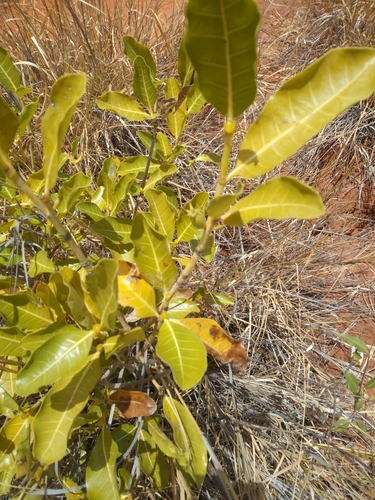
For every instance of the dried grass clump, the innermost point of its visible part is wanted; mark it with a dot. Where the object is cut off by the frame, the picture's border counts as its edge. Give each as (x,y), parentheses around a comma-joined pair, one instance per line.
(296,285)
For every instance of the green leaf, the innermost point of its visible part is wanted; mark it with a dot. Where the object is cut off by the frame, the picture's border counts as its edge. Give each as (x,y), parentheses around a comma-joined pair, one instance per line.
(7,404)
(123,436)
(152,254)
(136,164)
(6,479)
(117,343)
(26,116)
(185,66)
(186,230)
(220,299)
(60,355)
(90,209)
(355,342)
(152,461)
(123,105)
(352,382)
(101,286)
(132,49)
(10,340)
(21,311)
(183,351)
(120,192)
(221,44)
(163,442)
(34,340)
(40,264)
(370,384)
(65,94)
(10,437)
(61,405)
(188,438)
(209,250)
(176,122)
(143,86)
(180,308)
(159,175)
(67,288)
(161,210)
(101,469)
(9,123)
(70,191)
(9,76)
(303,106)
(219,204)
(115,229)
(171,197)
(281,198)
(195,99)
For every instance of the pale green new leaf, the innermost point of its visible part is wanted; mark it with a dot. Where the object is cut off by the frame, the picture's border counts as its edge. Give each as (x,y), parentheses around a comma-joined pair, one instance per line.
(21,311)
(221,43)
(60,355)
(70,192)
(183,351)
(101,286)
(303,106)
(65,94)
(162,211)
(10,341)
(61,405)
(352,382)
(152,254)
(101,477)
(280,198)
(9,76)
(40,264)
(188,438)
(152,461)
(7,404)
(123,105)
(143,86)
(163,442)
(132,49)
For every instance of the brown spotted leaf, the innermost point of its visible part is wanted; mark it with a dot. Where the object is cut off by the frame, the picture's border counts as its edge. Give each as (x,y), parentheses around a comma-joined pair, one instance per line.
(218,342)
(133,403)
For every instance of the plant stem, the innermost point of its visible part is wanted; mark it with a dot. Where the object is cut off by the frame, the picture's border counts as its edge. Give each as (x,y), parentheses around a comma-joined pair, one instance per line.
(229,128)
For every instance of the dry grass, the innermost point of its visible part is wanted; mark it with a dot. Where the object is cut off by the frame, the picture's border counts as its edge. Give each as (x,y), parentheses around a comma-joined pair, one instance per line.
(296,284)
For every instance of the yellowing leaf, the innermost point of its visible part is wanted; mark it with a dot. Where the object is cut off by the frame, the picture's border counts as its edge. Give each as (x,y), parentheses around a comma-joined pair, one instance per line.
(187,437)
(10,436)
(303,106)
(9,76)
(183,351)
(21,311)
(134,291)
(217,341)
(280,198)
(133,403)
(10,341)
(162,211)
(40,264)
(9,123)
(143,85)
